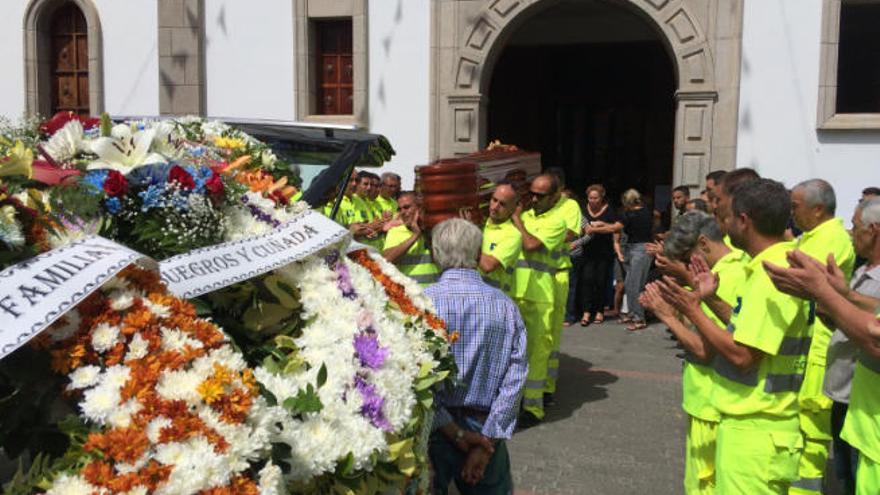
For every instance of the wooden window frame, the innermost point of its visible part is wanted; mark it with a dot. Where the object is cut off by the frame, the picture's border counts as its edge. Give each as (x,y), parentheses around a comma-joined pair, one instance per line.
(305,12)
(827,117)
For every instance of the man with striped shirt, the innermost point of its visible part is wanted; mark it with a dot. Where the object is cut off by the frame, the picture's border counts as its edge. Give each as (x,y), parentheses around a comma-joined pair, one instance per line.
(475,417)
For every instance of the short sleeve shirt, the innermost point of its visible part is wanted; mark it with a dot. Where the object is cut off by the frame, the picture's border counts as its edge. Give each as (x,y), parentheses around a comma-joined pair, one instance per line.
(503,242)
(536,270)
(778,325)
(569,212)
(387,204)
(416,262)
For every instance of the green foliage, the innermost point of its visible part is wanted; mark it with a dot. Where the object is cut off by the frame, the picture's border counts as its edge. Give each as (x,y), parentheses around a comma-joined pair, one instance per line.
(76,201)
(106,124)
(306,401)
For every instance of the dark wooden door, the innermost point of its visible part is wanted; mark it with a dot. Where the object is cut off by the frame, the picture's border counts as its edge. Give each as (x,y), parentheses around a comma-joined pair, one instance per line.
(336,70)
(70,61)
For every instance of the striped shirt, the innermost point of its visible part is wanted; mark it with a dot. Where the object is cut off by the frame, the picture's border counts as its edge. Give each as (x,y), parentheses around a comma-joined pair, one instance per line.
(490,352)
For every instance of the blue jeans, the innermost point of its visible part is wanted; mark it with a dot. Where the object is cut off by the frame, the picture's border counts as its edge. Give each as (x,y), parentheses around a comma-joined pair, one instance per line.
(448,461)
(638,264)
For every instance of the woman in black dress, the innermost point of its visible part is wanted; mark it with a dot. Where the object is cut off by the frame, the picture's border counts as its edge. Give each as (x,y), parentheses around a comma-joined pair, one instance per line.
(598,254)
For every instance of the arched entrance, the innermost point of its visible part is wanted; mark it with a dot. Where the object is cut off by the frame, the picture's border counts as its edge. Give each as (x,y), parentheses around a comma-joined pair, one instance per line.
(701,39)
(558,87)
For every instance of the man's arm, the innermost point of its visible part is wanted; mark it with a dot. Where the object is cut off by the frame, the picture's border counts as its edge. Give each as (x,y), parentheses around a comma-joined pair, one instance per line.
(693,342)
(741,356)
(502,415)
(851,320)
(488,263)
(604,228)
(393,253)
(530,243)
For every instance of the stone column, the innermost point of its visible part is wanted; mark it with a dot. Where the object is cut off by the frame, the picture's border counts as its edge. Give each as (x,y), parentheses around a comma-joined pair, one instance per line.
(181,57)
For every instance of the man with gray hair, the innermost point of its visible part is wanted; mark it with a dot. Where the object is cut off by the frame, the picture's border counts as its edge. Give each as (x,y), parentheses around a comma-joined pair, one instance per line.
(474,417)
(813,204)
(388,192)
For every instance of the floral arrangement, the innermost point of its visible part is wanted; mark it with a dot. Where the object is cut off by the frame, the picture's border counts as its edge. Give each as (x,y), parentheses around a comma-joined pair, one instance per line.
(313,378)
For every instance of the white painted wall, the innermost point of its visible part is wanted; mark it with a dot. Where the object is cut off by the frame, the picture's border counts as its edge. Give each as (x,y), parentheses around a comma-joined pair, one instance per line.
(778,102)
(130,40)
(249,59)
(131,56)
(399,84)
(12,52)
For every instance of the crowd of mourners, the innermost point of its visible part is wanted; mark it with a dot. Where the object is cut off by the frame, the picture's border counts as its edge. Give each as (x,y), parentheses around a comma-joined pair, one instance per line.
(773,300)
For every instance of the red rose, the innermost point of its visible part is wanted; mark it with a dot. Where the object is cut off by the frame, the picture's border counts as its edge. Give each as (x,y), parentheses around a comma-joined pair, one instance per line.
(115,185)
(182,177)
(279,197)
(58,121)
(214,185)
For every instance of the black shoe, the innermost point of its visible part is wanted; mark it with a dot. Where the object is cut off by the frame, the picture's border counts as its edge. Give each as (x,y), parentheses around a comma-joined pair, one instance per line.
(526,421)
(549,400)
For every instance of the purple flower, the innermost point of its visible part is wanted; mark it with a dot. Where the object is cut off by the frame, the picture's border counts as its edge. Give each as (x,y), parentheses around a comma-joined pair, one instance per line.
(343,280)
(372,404)
(368,350)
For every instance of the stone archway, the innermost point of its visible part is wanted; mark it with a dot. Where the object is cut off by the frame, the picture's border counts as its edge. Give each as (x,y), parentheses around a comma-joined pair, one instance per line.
(703,38)
(37,56)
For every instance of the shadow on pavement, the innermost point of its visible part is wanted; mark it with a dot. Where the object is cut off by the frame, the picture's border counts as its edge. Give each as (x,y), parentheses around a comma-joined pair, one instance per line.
(578,384)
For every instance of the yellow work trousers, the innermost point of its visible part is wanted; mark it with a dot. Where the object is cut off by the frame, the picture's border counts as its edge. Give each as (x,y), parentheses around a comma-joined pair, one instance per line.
(538,318)
(867,476)
(699,457)
(816,427)
(757,455)
(560,298)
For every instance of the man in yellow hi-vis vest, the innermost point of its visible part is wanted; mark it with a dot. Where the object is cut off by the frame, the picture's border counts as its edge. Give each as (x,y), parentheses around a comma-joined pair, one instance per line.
(502,242)
(567,210)
(812,208)
(761,357)
(542,234)
(405,245)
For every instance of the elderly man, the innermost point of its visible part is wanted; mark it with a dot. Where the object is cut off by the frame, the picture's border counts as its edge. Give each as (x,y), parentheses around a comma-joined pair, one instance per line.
(854,313)
(474,417)
(812,208)
(406,245)
(543,234)
(761,353)
(388,192)
(502,243)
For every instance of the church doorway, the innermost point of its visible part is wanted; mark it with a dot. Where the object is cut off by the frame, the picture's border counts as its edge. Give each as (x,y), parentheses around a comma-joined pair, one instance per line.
(591,85)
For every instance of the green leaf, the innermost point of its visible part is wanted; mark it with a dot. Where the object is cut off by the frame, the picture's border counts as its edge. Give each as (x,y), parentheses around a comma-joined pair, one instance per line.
(322,375)
(306,401)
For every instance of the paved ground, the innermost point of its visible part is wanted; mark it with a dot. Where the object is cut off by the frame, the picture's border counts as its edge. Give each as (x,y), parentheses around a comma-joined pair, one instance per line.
(618,427)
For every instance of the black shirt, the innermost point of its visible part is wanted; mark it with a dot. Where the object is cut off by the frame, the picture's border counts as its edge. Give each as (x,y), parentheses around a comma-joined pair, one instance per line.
(601,244)
(638,225)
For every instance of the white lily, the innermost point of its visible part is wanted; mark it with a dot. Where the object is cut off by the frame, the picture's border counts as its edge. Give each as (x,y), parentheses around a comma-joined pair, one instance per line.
(124,151)
(167,141)
(66,142)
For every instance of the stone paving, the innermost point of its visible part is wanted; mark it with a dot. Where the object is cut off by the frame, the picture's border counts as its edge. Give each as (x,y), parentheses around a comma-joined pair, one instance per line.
(617,428)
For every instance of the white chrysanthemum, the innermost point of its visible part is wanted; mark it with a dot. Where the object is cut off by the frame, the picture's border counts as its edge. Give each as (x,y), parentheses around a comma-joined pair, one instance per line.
(115,283)
(83,377)
(121,416)
(154,428)
(72,485)
(181,385)
(196,466)
(121,300)
(175,340)
(160,310)
(116,376)
(271,480)
(99,402)
(138,347)
(104,337)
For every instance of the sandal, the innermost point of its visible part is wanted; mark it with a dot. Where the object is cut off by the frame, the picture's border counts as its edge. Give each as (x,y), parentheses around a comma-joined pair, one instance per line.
(624,319)
(585,321)
(635,326)
(599,318)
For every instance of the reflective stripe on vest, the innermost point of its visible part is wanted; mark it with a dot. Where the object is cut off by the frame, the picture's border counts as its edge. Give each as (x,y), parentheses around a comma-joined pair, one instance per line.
(535,384)
(414,259)
(795,346)
(783,383)
(536,265)
(811,484)
(726,369)
(425,278)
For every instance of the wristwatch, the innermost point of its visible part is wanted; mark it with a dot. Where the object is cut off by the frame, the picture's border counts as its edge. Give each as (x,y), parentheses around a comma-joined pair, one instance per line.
(459,435)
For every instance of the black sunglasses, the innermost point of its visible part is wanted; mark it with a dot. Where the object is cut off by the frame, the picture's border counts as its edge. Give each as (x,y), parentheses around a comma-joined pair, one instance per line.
(539,195)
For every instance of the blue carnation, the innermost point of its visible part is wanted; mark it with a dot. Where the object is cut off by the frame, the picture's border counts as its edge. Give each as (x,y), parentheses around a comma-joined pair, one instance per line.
(151,197)
(149,175)
(200,175)
(113,205)
(95,179)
